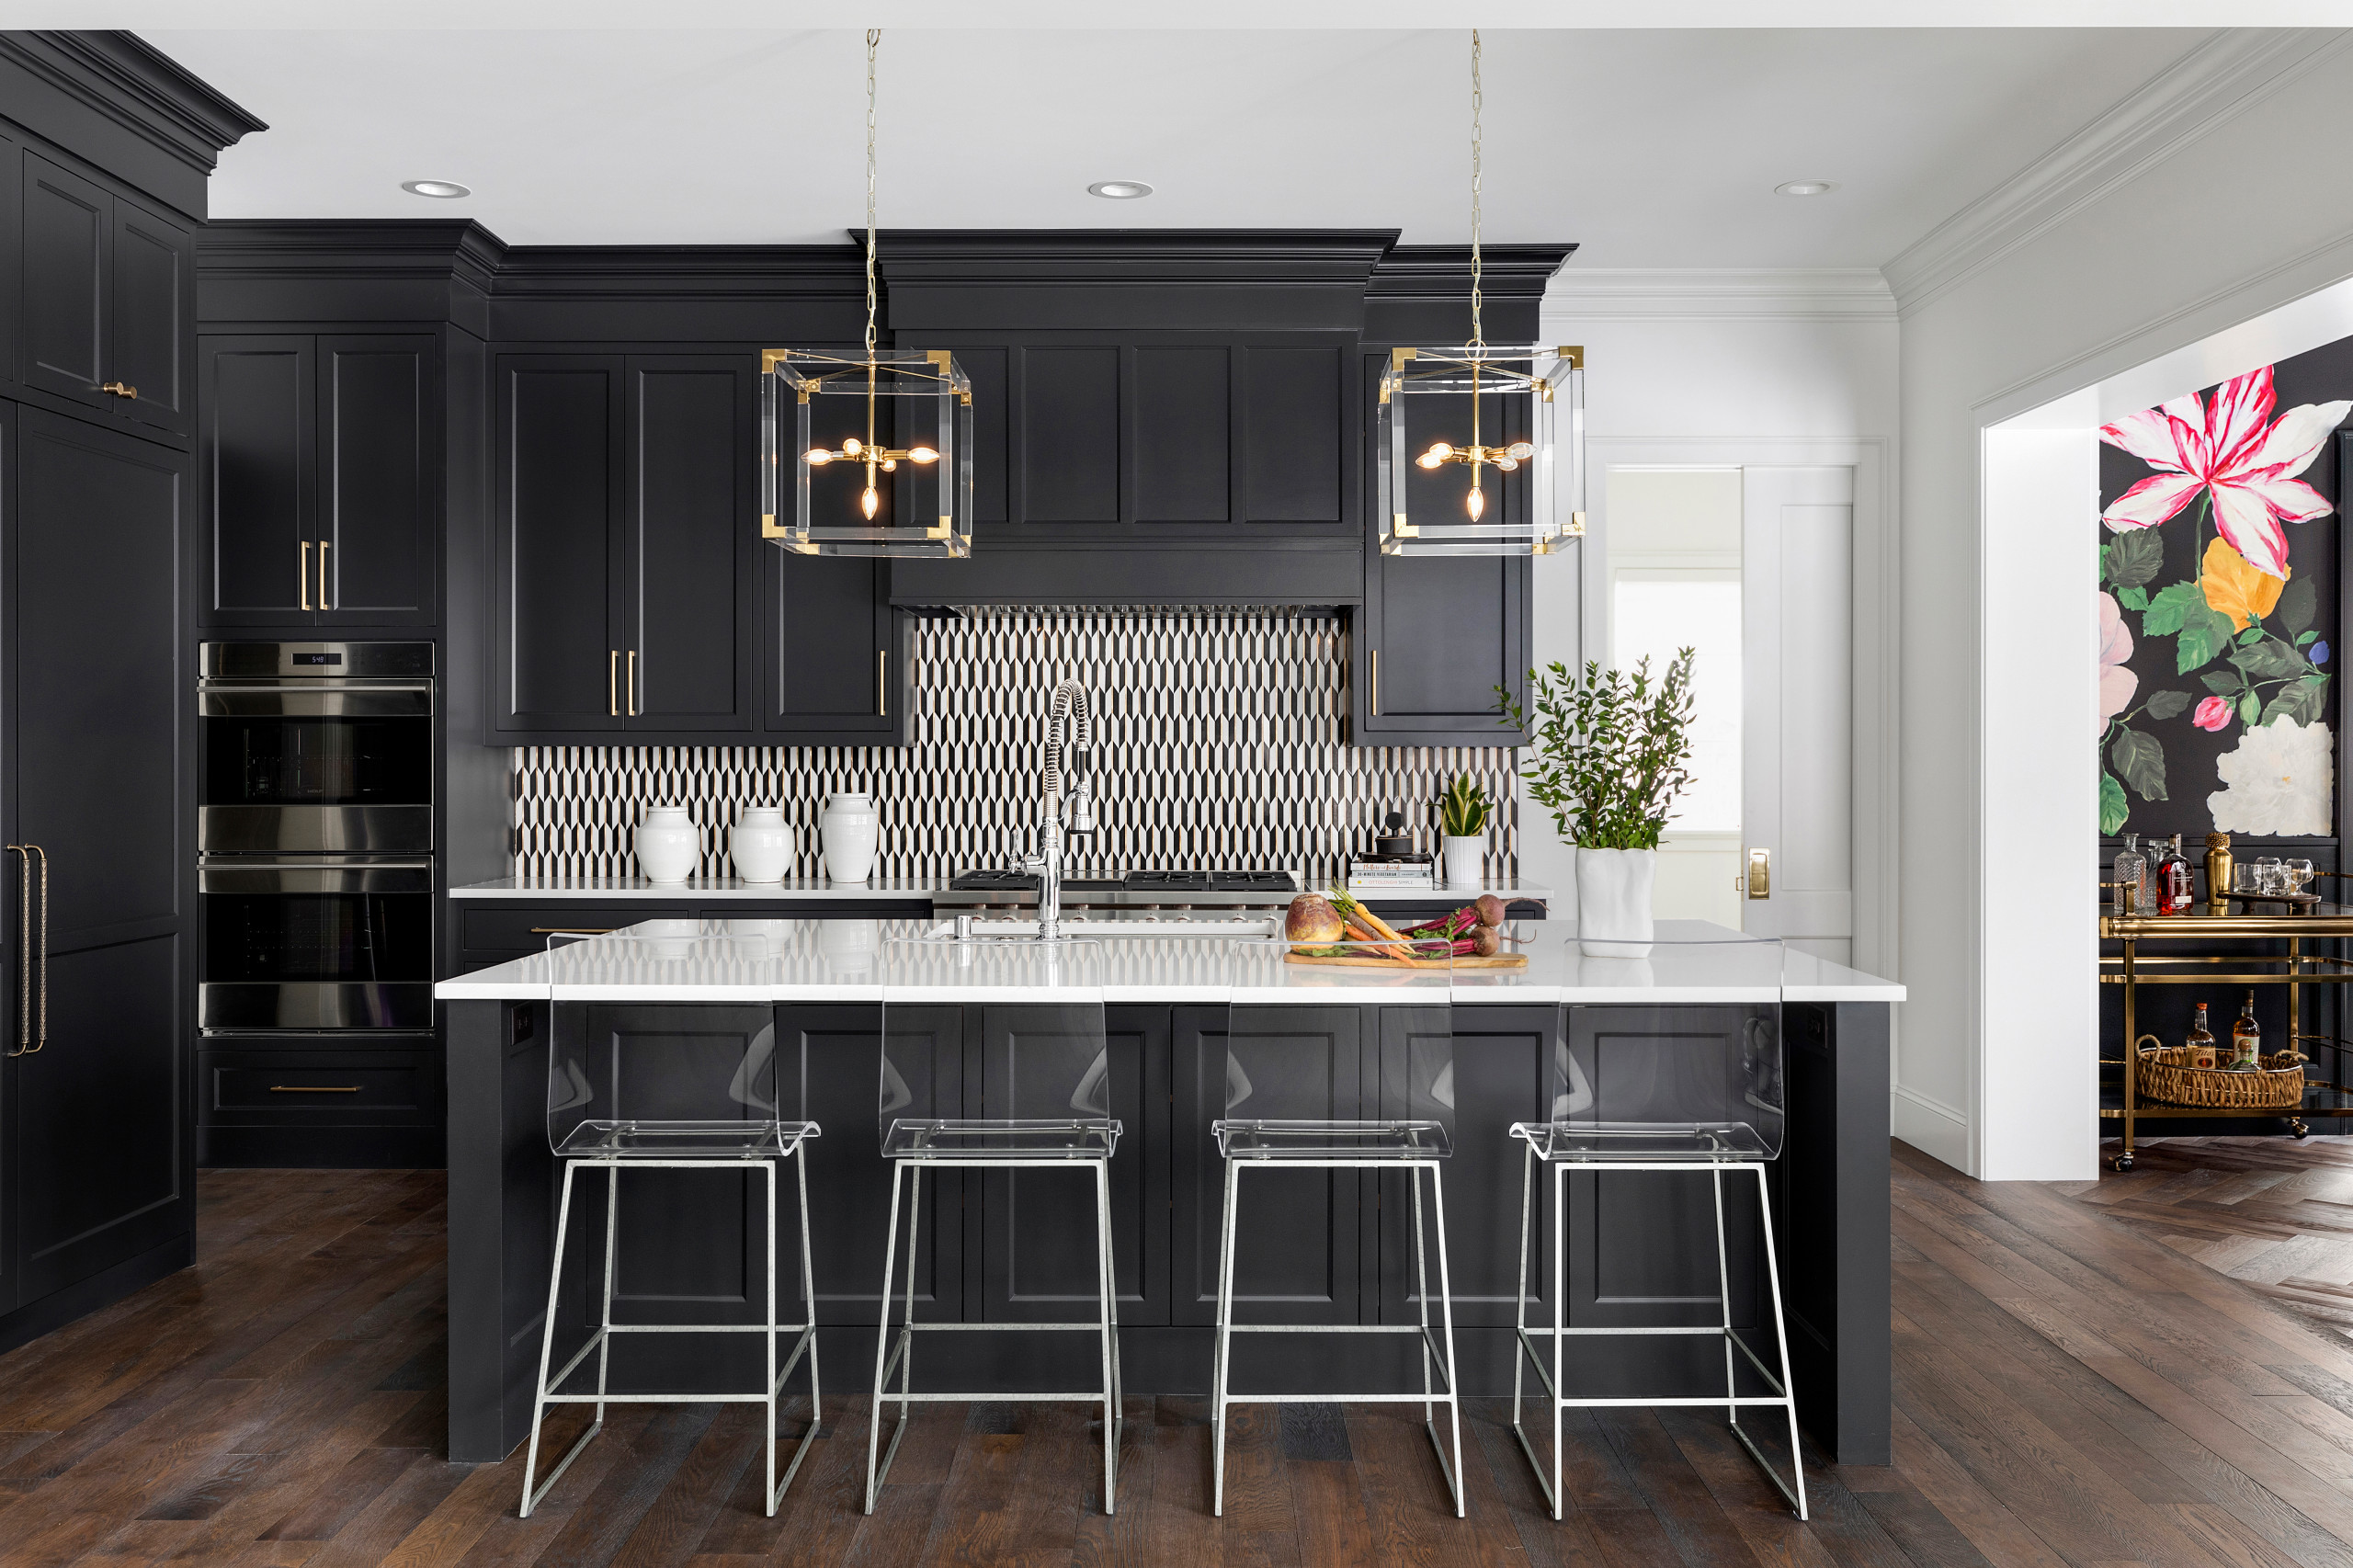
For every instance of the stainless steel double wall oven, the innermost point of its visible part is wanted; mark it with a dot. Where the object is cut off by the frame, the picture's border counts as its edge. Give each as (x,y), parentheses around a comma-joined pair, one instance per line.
(315,837)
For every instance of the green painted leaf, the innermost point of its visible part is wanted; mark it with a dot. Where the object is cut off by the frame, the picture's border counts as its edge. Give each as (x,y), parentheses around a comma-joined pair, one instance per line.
(2112,806)
(2169,608)
(2298,600)
(2252,634)
(2204,633)
(2305,701)
(2141,761)
(2270,660)
(2133,557)
(2305,637)
(2223,685)
(2133,598)
(2250,708)
(2165,704)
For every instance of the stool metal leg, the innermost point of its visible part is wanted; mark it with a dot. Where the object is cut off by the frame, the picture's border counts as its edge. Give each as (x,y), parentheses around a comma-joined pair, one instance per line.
(1224,1338)
(1106,1288)
(882,1348)
(547,1351)
(612,1238)
(768,1344)
(1445,1314)
(1723,1298)
(1560,1322)
(1781,1340)
(807,1342)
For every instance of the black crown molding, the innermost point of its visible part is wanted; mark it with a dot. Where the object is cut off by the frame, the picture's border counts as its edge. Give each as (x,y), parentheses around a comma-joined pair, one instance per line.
(354,247)
(1131,258)
(753,272)
(1443,272)
(155,125)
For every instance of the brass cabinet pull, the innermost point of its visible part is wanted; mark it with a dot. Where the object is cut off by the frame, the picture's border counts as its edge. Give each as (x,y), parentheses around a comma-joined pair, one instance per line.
(32,1016)
(632,683)
(1376,681)
(119,389)
(302,574)
(314,1090)
(882,683)
(612,683)
(323,577)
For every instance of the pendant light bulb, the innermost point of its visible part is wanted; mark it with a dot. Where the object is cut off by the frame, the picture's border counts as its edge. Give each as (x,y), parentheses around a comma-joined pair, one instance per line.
(850,448)
(1520,451)
(817,457)
(869,503)
(1476,504)
(922,455)
(1435,456)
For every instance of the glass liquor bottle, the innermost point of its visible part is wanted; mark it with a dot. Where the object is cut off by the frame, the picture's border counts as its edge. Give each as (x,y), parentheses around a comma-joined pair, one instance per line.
(2246,1041)
(2200,1043)
(2178,889)
(2131,877)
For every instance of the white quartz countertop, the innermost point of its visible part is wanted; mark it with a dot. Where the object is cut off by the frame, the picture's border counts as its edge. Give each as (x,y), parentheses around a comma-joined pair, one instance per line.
(871,960)
(881,890)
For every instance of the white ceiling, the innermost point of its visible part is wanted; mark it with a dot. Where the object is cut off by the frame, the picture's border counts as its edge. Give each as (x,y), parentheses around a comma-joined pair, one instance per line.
(1653,148)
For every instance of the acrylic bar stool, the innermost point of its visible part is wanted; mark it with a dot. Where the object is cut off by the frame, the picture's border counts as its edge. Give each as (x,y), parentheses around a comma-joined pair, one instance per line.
(692,1089)
(1268,1072)
(1044,1003)
(1693,1086)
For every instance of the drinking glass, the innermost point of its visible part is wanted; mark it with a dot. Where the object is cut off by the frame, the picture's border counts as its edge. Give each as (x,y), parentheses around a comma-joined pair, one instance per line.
(2270,877)
(2299,873)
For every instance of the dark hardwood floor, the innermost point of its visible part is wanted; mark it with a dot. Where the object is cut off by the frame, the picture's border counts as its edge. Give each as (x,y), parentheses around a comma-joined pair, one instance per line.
(2071,1388)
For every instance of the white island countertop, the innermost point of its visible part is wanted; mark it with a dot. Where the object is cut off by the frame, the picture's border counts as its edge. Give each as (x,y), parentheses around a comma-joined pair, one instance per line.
(908,890)
(871,960)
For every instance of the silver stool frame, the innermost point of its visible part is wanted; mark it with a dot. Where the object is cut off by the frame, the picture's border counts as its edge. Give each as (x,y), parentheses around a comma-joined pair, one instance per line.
(600,1341)
(899,1351)
(1431,1353)
(1732,1401)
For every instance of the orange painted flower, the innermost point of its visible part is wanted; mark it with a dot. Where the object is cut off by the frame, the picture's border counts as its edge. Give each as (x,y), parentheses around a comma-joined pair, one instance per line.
(2235,588)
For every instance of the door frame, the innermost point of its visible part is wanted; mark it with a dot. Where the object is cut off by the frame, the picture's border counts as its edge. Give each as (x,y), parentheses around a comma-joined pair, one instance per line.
(1877,619)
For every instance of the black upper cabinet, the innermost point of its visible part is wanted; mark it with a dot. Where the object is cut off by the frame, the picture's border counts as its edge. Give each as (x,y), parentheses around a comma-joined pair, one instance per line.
(318,465)
(835,666)
(110,292)
(626,543)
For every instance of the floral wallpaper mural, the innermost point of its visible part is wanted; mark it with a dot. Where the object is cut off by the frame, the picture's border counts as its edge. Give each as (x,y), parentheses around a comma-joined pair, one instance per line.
(2218,605)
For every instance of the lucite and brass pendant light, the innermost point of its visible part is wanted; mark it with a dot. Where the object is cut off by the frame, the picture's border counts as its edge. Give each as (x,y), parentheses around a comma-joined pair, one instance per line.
(1501,478)
(875,456)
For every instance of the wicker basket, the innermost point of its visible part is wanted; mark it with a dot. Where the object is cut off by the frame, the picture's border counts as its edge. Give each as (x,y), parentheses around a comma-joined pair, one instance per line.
(2166,1074)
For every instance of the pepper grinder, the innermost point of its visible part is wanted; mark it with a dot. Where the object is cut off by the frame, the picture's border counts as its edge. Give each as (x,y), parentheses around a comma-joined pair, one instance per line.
(2218,873)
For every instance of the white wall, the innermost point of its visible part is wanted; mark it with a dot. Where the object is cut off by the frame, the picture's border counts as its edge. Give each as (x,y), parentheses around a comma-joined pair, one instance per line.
(1721,369)
(2217,195)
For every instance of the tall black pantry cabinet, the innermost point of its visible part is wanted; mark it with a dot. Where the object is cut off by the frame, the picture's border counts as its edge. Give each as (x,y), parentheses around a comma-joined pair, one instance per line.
(102,189)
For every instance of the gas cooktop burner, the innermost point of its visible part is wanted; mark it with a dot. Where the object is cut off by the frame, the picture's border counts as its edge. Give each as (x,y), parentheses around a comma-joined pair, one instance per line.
(1169,882)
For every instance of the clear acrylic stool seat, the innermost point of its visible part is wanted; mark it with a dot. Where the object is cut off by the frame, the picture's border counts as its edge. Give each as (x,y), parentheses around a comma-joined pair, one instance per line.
(1685,1105)
(1414,1145)
(586,1076)
(1056,1031)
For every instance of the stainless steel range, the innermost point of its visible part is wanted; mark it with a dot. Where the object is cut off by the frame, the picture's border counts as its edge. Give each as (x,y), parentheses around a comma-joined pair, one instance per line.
(1138,891)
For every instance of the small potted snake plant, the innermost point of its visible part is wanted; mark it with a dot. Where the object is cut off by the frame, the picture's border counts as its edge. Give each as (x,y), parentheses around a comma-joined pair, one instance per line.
(1463,813)
(1605,753)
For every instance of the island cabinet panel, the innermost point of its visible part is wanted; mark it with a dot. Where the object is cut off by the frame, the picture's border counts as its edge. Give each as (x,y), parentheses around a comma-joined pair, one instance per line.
(109,299)
(1298,1244)
(1035,1228)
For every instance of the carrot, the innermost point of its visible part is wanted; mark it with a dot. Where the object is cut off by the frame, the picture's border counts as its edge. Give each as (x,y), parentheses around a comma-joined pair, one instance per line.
(1387,932)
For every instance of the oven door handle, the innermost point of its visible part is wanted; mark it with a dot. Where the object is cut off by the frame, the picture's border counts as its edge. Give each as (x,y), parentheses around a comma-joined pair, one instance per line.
(257,878)
(314,701)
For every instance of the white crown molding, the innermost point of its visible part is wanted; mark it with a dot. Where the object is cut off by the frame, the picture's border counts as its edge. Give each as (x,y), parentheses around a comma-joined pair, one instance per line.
(1811,293)
(2209,86)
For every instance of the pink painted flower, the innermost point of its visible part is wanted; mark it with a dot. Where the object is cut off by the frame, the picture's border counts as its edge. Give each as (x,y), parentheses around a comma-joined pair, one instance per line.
(2212,714)
(2117,684)
(2226,447)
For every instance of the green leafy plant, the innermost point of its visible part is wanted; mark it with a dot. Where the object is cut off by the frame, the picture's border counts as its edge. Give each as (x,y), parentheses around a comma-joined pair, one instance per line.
(1464,809)
(1606,749)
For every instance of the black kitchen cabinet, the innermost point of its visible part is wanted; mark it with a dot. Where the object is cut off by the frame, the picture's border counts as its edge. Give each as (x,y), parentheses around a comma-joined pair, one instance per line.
(279,1101)
(109,295)
(625,542)
(835,652)
(98,778)
(317,463)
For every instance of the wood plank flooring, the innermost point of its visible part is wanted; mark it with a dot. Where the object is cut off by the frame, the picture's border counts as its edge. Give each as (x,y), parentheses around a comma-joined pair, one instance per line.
(2074,1390)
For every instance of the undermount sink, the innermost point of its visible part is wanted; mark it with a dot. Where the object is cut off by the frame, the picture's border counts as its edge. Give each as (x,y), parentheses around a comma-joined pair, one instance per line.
(976,931)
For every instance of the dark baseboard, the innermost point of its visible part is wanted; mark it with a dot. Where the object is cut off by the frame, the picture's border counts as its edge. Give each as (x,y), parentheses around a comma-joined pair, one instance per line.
(59,1308)
(320,1148)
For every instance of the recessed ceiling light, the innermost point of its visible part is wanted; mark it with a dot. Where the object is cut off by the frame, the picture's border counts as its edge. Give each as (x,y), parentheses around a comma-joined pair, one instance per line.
(1119,189)
(1805,187)
(443,189)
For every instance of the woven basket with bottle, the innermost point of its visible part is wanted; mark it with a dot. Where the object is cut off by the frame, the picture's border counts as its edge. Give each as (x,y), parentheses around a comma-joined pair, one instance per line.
(2164,1073)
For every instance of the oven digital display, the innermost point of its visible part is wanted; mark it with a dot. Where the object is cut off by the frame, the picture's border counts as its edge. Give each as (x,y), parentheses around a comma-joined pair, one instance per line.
(318,658)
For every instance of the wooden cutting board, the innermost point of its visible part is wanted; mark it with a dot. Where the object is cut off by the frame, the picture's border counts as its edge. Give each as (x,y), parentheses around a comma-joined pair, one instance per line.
(1501,960)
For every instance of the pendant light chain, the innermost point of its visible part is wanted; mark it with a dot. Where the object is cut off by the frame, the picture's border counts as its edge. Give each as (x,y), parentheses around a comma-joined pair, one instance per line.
(1478,334)
(873,37)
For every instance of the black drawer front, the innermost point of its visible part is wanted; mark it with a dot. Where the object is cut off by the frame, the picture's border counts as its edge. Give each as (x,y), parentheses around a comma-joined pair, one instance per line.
(319,1088)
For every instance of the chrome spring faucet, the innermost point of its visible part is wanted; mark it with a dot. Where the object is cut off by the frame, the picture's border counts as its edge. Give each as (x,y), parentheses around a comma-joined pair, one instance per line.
(1069,722)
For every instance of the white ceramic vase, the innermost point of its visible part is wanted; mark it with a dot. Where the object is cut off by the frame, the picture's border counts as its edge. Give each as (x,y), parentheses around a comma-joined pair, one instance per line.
(667,845)
(761,845)
(1614,902)
(1465,860)
(849,830)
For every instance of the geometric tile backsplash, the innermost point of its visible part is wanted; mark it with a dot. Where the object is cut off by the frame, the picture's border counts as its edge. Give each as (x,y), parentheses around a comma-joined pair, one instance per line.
(1217,743)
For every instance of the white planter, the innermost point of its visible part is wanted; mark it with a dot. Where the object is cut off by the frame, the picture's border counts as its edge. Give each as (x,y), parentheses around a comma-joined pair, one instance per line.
(1465,860)
(1614,902)
(667,845)
(761,845)
(849,830)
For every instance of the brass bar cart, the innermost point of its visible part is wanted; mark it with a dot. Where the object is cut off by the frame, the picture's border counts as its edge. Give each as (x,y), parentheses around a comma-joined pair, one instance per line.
(2295,969)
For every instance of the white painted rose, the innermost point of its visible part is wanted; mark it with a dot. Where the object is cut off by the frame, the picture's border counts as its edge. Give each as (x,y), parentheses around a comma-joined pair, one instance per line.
(2278,780)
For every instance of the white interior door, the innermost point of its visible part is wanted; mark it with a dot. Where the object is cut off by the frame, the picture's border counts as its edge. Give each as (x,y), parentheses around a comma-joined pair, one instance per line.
(1798,735)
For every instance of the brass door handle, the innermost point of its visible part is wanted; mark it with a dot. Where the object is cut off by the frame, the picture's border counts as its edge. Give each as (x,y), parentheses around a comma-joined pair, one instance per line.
(119,389)
(882,683)
(1759,880)
(303,575)
(632,684)
(314,1090)
(32,1016)
(612,683)
(323,577)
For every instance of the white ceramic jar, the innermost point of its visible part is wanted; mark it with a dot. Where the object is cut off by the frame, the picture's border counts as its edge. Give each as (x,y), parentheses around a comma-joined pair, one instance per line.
(760,846)
(849,830)
(1465,860)
(667,845)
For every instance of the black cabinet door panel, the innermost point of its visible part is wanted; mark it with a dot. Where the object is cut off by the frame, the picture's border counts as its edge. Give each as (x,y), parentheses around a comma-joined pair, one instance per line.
(153,303)
(990,371)
(1069,435)
(690,534)
(68,233)
(255,479)
(1447,624)
(559,568)
(1295,426)
(1183,434)
(833,662)
(378,459)
(1297,1243)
